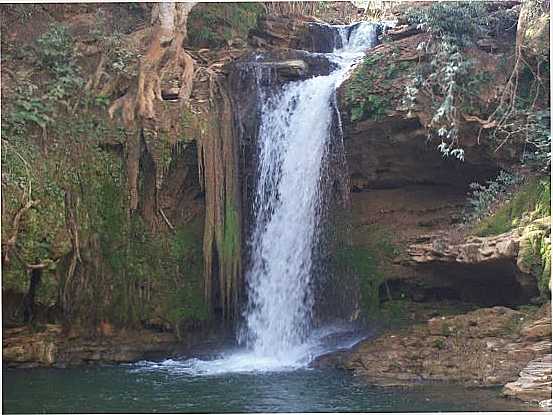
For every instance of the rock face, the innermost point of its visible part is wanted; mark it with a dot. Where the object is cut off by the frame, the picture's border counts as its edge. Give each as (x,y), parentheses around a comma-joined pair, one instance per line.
(473,250)
(401,183)
(52,347)
(484,347)
(499,255)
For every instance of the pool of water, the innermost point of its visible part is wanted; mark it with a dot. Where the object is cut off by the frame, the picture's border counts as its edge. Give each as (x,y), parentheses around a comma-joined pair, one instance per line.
(168,387)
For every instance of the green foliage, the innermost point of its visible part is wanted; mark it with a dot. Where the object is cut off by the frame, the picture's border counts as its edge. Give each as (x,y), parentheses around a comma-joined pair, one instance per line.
(531,201)
(484,198)
(22,12)
(27,109)
(55,52)
(122,59)
(535,253)
(361,95)
(126,274)
(438,343)
(538,154)
(461,21)
(216,24)
(449,80)
(449,75)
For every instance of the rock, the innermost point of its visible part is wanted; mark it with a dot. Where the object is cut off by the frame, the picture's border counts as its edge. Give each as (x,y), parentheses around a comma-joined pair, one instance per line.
(487,261)
(291,69)
(538,329)
(534,382)
(487,44)
(470,251)
(23,347)
(483,347)
(400,32)
(484,322)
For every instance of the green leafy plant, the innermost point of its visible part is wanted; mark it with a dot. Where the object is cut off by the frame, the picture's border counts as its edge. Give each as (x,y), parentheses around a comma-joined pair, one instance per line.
(449,80)
(483,198)
(460,22)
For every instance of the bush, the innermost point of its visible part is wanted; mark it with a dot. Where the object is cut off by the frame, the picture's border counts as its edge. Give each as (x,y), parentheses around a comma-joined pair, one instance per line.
(459,22)
(215,24)
(449,81)
(484,197)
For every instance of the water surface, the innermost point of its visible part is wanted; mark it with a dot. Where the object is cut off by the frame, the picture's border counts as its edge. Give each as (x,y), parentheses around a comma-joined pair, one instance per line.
(151,388)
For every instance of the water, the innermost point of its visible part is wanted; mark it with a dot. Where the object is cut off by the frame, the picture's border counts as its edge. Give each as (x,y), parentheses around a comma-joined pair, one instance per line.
(128,388)
(294,136)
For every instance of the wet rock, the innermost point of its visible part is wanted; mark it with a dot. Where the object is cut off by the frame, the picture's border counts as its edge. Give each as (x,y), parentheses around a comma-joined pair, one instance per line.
(534,382)
(23,347)
(482,348)
(292,69)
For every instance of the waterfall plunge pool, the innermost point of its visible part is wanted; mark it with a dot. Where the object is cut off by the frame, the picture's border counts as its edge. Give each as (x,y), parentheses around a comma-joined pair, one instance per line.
(152,387)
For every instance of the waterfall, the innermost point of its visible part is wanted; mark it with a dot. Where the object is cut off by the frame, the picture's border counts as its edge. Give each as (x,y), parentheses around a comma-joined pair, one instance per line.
(293,140)
(295,125)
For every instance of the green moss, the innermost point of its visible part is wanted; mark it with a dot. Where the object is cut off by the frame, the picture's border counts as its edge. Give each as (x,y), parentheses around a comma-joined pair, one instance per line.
(535,253)
(532,199)
(368,260)
(530,210)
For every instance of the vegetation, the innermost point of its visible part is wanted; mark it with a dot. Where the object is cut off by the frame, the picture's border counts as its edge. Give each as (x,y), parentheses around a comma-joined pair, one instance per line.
(215,25)
(527,209)
(484,198)
(452,84)
(369,262)
(66,209)
(367,90)
(531,201)
(449,79)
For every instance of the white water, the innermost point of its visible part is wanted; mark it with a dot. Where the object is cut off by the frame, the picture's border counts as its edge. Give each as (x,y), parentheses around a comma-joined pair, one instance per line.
(293,141)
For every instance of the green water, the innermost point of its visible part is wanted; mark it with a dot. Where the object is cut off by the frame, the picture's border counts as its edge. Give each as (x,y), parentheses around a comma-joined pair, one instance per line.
(124,389)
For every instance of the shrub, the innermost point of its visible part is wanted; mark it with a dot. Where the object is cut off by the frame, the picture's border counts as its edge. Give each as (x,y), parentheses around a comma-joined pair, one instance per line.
(215,24)
(483,198)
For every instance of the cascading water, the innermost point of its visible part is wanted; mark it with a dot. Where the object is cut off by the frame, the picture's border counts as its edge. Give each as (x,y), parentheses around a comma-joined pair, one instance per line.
(293,140)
